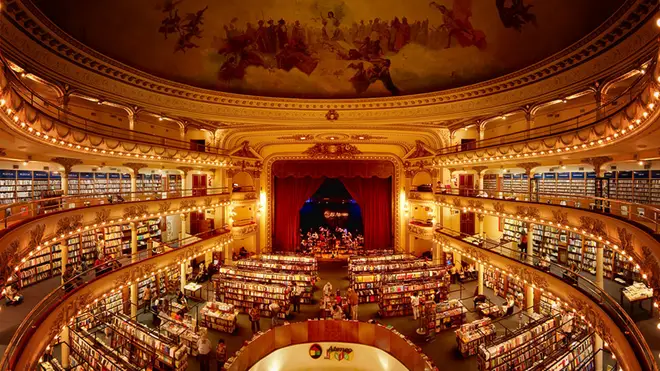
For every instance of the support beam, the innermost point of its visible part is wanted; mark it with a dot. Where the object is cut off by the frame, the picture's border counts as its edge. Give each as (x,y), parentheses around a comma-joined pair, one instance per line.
(529,299)
(134,196)
(65,352)
(480,289)
(600,282)
(530,244)
(598,358)
(183,274)
(134,242)
(134,300)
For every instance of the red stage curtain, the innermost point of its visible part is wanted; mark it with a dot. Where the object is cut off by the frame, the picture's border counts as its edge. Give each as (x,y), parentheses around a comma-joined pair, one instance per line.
(290,195)
(374,195)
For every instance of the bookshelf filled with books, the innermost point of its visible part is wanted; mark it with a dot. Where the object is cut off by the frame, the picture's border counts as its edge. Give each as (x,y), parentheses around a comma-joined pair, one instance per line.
(378,259)
(577,356)
(174,183)
(471,335)
(290,267)
(449,314)
(149,182)
(367,285)
(26,185)
(490,183)
(520,349)
(268,277)
(395,297)
(46,264)
(244,295)
(218,316)
(96,355)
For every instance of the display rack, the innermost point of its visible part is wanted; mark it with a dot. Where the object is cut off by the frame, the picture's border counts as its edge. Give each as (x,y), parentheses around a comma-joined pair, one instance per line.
(46,264)
(293,267)
(367,285)
(520,349)
(244,296)
(181,332)
(127,333)
(449,314)
(302,280)
(355,260)
(514,230)
(174,183)
(218,316)
(471,335)
(395,298)
(96,355)
(25,185)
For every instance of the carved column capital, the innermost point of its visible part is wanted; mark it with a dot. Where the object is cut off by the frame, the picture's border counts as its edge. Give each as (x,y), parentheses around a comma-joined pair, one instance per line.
(67,162)
(185,170)
(135,166)
(597,162)
(479,169)
(528,166)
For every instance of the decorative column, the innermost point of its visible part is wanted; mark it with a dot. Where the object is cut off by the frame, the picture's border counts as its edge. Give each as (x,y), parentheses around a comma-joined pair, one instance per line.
(529,298)
(599,266)
(135,166)
(598,357)
(185,170)
(480,131)
(134,242)
(183,232)
(65,349)
(134,299)
(67,163)
(64,258)
(482,233)
(480,289)
(183,273)
(599,97)
(530,243)
(480,173)
(529,120)
(528,166)
(256,175)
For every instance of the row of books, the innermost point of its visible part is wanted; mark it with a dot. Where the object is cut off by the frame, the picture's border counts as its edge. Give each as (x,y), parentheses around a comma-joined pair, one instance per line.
(289,267)
(471,335)
(246,295)
(395,299)
(367,285)
(267,277)
(218,316)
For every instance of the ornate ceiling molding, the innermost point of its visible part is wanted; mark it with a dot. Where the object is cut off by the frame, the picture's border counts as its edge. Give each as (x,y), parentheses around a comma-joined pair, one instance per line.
(90,70)
(332,150)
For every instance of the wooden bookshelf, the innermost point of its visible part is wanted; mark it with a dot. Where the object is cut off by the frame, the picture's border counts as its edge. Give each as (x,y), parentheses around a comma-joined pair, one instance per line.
(471,335)
(244,295)
(395,298)
(267,277)
(367,285)
(218,316)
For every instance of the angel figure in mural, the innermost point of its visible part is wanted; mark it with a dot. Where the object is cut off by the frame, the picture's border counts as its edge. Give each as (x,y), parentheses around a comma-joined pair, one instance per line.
(457,24)
(516,15)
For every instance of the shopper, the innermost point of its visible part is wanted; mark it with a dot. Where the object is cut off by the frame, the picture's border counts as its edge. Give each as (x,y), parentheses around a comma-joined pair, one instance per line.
(221,354)
(295,298)
(337,313)
(523,247)
(146,298)
(255,317)
(274,308)
(327,289)
(353,301)
(203,349)
(338,298)
(12,295)
(414,302)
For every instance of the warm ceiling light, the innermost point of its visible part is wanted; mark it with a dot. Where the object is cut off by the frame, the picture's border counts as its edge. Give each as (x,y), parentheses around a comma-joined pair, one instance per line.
(360,137)
(332,138)
(640,163)
(563,167)
(657,22)
(303,138)
(503,117)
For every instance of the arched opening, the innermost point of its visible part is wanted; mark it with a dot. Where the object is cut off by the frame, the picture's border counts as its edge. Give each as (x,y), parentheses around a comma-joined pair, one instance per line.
(242,182)
(422,182)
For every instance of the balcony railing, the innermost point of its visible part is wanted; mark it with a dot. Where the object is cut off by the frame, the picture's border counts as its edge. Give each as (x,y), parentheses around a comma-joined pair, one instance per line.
(586,286)
(642,214)
(17,212)
(28,326)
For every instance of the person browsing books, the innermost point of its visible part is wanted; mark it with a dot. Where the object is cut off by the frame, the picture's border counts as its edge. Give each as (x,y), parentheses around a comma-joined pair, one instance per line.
(414,302)
(221,354)
(255,317)
(203,349)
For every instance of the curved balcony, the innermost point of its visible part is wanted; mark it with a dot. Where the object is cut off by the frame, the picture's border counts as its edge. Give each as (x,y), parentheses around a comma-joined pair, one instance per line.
(600,310)
(61,222)
(605,125)
(57,310)
(29,114)
(310,332)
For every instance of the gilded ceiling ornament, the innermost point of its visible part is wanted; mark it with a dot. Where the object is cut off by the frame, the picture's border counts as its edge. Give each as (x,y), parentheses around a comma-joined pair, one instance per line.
(102,216)
(332,115)
(479,169)
(456,201)
(244,151)
(649,264)
(67,163)
(188,204)
(8,259)
(298,137)
(242,231)
(208,201)
(530,212)
(424,232)
(185,170)
(499,207)
(420,150)
(625,240)
(68,310)
(332,150)
(476,204)
(414,196)
(476,254)
(529,275)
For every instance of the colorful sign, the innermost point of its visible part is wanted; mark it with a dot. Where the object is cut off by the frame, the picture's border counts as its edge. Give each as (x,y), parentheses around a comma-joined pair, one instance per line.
(315,351)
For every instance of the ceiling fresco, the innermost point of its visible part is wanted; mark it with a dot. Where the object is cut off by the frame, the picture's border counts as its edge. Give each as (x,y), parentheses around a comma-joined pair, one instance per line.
(328,48)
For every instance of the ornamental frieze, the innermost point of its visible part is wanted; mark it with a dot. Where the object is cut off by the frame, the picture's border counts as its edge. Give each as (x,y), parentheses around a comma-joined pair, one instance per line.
(102,216)
(69,224)
(332,150)
(36,235)
(593,226)
(8,259)
(560,217)
(242,231)
(68,310)
(134,274)
(164,206)
(188,204)
(529,275)
(499,207)
(135,211)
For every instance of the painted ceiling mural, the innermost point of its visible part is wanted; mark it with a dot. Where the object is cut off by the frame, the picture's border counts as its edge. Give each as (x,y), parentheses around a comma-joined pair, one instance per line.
(328,48)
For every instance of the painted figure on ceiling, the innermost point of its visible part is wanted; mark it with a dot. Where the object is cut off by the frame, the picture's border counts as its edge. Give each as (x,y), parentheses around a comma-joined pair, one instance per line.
(457,24)
(516,15)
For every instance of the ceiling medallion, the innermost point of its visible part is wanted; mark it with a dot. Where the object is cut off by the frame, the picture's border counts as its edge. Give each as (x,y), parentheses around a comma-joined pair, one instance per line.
(332,115)
(332,150)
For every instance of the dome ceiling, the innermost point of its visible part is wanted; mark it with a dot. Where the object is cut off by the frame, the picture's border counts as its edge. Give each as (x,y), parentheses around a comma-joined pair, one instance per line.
(328,48)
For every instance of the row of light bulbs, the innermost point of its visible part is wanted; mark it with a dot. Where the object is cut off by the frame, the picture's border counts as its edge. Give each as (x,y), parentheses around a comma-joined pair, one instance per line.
(13,115)
(517,277)
(604,140)
(64,236)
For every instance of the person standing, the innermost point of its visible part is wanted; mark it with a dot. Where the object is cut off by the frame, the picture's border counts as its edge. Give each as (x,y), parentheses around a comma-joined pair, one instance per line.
(414,302)
(523,247)
(146,298)
(203,349)
(295,298)
(255,317)
(221,354)
(353,303)
(327,289)
(274,308)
